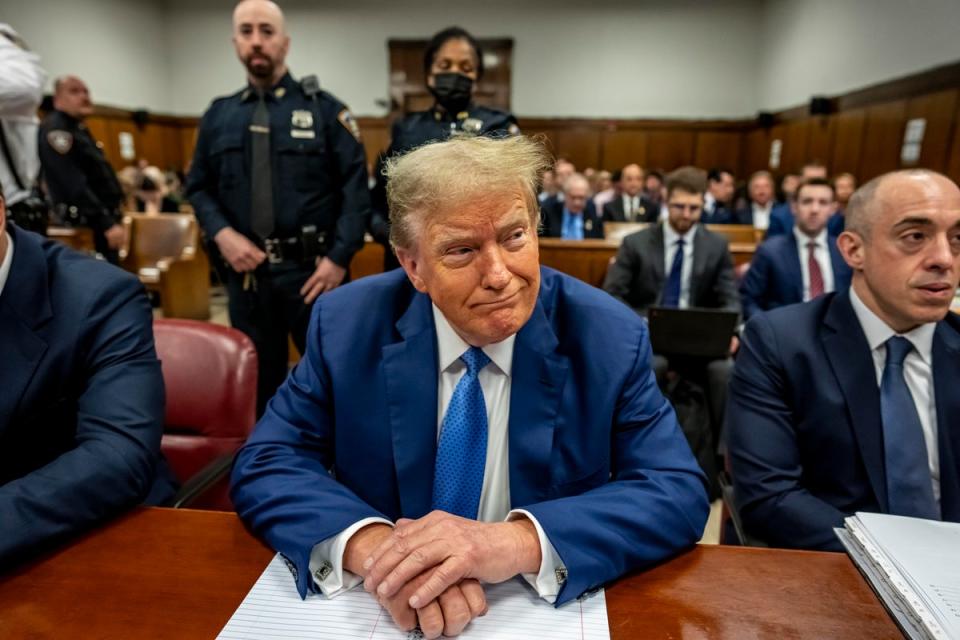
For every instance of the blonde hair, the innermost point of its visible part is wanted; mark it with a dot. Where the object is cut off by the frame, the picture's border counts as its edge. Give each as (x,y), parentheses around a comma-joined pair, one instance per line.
(442,175)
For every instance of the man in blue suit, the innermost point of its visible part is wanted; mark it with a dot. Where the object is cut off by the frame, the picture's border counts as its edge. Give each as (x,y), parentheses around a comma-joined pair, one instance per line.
(574,218)
(802,265)
(762,211)
(81,395)
(502,416)
(848,403)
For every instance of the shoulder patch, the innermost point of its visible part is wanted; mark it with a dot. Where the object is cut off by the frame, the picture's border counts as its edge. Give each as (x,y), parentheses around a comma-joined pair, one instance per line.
(349,123)
(60,140)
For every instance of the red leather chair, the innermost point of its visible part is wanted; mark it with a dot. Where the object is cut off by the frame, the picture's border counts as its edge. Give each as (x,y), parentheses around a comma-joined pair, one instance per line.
(210,373)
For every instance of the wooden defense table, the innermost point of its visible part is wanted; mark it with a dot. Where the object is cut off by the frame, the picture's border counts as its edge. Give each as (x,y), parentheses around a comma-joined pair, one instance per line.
(162,573)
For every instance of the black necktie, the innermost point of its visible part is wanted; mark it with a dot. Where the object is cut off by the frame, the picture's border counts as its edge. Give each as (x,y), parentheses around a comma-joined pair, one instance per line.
(261,189)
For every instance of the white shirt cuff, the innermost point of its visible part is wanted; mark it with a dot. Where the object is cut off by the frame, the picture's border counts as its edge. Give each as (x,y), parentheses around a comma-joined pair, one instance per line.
(326,560)
(553,574)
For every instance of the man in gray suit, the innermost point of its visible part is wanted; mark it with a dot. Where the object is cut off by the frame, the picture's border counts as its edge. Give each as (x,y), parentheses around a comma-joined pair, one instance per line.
(680,263)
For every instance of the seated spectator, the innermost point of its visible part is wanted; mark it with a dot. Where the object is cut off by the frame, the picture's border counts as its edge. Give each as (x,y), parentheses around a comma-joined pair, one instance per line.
(813,169)
(788,187)
(631,206)
(612,192)
(574,218)
(787,269)
(129,179)
(562,169)
(391,435)
(762,207)
(152,193)
(848,403)
(781,219)
(600,183)
(548,185)
(81,399)
(718,200)
(590,174)
(844,185)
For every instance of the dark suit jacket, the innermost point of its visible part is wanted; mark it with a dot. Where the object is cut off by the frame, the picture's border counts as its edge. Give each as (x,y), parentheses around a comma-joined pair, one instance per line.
(637,276)
(81,395)
(719,214)
(607,474)
(803,418)
(774,278)
(613,211)
(552,218)
(781,218)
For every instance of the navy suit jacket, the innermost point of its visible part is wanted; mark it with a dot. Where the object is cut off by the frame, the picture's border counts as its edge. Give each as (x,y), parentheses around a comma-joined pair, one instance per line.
(805,438)
(552,218)
(774,278)
(81,396)
(613,211)
(595,451)
(781,218)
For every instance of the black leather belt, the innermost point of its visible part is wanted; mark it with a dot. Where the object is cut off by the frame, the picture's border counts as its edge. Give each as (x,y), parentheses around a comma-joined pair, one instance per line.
(297,249)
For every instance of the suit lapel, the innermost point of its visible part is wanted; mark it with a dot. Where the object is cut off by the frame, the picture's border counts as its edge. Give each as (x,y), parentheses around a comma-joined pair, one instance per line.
(410,367)
(946,374)
(794,273)
(655,252)
(24,308)
(536,388)
(701,245)
(849,355)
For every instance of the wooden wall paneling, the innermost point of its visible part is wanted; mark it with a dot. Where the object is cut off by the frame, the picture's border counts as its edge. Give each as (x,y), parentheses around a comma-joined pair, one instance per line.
(116,126)
(375,134)
(820,140)
(756,151)
(188,140)
(939,110)
(100,131)
(160,145)
(882,139)
(669,149)
(953,160)
(622,147)
(848,130)
(796,136)
(580,145)
(719,149)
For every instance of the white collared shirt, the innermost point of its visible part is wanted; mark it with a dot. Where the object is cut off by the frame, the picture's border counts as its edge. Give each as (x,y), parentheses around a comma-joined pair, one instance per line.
(670,238)
(630,203)
(821,253)
(761,215)
(7,261)
(917,371)
(494,496)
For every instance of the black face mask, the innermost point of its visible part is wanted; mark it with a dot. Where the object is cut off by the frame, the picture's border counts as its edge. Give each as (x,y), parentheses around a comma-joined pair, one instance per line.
(452,91)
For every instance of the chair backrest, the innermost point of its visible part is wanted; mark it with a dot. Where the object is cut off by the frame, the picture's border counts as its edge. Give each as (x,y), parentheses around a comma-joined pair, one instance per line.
(210,374)
(151,238)
(735,233)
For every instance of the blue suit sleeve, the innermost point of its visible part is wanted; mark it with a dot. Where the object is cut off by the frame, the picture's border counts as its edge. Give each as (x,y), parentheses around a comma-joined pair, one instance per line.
(654,505)
(753,287)
(764,454)
(283,471)
(118,430)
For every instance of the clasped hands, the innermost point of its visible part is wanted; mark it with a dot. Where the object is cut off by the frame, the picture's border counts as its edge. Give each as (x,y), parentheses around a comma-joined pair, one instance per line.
(428,571)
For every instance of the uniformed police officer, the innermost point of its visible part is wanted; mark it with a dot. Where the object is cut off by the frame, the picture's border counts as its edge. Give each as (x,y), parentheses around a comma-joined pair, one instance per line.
(452,64)
(279,184)
(82,185)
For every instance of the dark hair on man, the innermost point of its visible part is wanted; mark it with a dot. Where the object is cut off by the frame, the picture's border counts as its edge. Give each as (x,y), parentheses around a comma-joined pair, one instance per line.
(616,176)
(688,180)
(716,174)
(815,182)
(654,173)
(441,38)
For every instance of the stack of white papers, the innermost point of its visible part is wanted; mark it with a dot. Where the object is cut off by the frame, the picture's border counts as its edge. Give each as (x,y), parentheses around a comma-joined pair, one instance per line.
(914,566)
(273,609)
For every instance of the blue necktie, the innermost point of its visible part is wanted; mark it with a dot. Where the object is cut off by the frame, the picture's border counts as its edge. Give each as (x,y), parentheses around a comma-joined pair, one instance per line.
(671,292)
(909,490)
(462,450)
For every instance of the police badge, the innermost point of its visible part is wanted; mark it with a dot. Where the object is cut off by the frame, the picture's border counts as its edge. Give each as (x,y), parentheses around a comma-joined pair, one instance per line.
(472,126)
(301,124)
(61,141)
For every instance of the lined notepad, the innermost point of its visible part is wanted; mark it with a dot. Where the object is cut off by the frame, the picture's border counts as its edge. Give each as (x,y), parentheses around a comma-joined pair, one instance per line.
(274,610)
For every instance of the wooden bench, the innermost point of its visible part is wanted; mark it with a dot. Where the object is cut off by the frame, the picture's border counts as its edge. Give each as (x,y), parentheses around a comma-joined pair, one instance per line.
(77,238)
(165,252)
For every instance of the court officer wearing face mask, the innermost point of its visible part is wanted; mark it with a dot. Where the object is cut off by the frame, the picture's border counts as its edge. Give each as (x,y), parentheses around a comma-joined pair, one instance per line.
(452,64)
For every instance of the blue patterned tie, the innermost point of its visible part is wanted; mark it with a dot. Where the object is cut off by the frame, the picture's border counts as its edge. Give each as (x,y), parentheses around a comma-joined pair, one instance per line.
(462,450)
(671,293)
(909,490)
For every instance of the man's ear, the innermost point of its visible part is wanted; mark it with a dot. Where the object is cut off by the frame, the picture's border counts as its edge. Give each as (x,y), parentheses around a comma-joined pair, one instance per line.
(411,263)
(850,244)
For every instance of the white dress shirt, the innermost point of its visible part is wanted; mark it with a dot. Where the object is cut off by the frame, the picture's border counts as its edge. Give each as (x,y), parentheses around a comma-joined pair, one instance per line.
(326,558)
(630,204)
(670,238)
(7,261)
(917,371)
(21,90)
(821,254)
(761,215)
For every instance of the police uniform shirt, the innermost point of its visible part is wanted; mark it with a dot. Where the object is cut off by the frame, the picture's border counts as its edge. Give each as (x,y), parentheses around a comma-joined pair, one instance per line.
(319,173)
(76,171)
(437,124)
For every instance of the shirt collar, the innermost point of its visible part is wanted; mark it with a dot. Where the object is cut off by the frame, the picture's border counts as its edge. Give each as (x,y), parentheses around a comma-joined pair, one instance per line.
(803,239)
(450,346)
(7,261)
(708,201)
(766,207)
(670,236)
(878,332)
(284,86)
